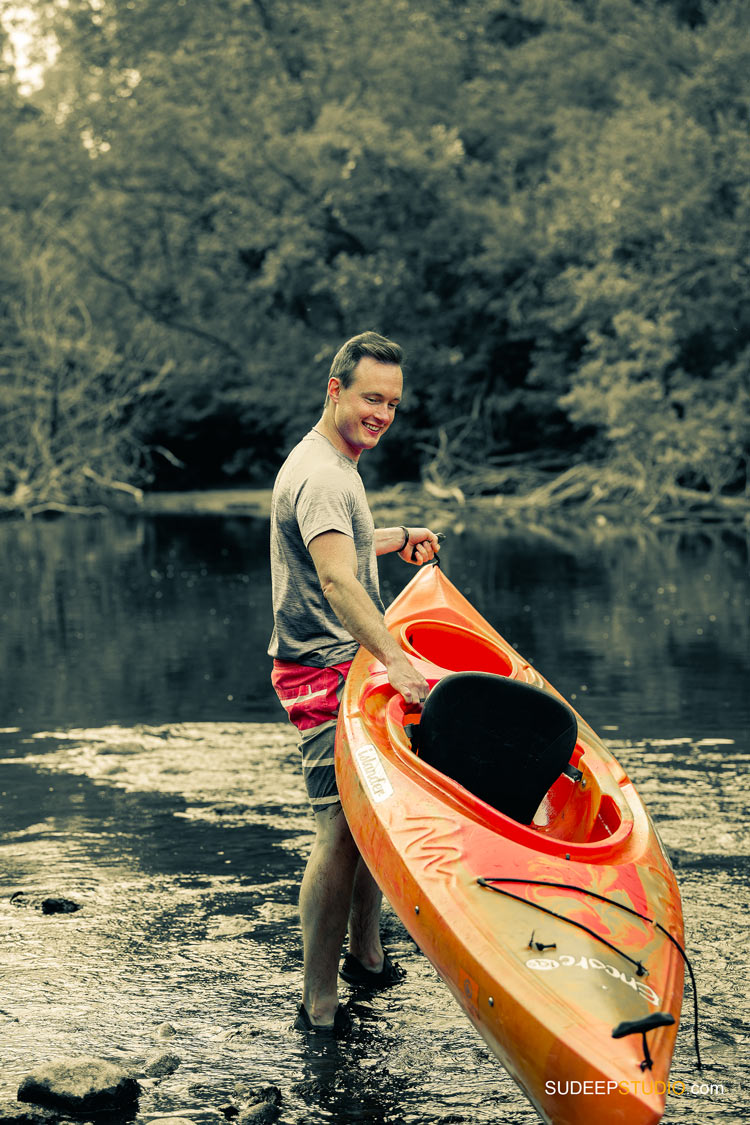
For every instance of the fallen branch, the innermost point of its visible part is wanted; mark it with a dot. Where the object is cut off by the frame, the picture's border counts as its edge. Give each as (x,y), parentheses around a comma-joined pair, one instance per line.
(118,485)
(68,509)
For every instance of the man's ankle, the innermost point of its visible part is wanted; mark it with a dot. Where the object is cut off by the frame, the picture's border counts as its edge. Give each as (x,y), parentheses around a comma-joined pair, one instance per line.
(371,959)
(321,1013)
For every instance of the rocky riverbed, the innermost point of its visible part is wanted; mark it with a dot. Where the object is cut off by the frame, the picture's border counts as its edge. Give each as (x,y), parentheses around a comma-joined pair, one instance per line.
(173,854)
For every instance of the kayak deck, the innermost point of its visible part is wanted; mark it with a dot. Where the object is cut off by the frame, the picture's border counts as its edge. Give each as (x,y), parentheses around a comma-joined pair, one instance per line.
(549,933)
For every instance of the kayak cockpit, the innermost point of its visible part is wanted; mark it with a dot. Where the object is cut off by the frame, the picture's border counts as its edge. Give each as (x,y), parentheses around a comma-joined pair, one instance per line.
(573,805)
(456,647)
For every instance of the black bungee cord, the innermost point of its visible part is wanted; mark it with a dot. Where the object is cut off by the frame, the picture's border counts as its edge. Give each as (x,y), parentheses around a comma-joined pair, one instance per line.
(641,969)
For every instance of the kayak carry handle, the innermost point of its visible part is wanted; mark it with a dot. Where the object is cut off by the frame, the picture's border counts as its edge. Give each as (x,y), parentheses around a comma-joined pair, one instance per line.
(635,1027)
(648,1023)
(436,558)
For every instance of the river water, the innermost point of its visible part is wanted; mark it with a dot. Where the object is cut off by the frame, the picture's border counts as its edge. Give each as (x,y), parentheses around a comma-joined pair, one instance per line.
(147,774)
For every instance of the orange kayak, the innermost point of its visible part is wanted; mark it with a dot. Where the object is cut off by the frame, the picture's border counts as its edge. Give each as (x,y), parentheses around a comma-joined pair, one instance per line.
(519,856)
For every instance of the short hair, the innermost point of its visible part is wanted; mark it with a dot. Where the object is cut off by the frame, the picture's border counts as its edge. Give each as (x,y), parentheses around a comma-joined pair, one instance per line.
(365,344)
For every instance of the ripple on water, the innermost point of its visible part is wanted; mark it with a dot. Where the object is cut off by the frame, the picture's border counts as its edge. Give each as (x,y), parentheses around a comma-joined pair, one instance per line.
(184,845)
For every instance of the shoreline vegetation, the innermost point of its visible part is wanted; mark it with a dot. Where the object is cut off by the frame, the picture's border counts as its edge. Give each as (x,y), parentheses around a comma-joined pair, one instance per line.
(513,494)
(545,204)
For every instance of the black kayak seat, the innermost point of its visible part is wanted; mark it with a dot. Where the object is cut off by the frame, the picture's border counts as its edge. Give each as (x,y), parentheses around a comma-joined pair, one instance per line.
(506,742)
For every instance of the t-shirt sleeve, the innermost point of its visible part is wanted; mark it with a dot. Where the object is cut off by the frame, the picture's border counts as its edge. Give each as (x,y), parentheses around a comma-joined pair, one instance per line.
(324,503)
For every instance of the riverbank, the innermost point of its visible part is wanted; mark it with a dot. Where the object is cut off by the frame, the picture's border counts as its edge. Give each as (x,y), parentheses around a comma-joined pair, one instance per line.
(519,495)
(212,502)
(567,497)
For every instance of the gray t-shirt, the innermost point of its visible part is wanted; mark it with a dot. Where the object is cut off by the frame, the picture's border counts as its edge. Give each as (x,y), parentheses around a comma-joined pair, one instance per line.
(318,489)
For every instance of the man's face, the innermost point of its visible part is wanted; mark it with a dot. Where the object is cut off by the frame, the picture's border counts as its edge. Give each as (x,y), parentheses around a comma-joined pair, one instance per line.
(363,411)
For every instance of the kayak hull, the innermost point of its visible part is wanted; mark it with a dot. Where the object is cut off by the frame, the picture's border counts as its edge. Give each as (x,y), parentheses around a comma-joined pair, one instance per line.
(550,934)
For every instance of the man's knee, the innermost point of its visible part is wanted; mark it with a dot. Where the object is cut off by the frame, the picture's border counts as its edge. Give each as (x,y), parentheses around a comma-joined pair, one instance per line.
(332,829)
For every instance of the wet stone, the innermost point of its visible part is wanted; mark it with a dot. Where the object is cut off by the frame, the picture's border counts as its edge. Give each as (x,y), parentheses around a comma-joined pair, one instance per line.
(262,1113)
(261,1107)
(19,1113)
(55,905)
(160,1064)
(80,1085)
(50,904)
(176,1121)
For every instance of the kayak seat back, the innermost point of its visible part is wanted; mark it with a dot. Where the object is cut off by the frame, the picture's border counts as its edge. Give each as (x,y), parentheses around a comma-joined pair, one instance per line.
(506,742)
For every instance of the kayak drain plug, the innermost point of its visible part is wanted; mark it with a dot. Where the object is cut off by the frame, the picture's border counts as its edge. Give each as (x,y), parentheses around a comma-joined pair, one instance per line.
(633,1027)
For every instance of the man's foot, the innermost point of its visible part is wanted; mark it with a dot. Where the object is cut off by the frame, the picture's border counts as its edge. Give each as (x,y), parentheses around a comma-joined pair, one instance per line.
(339,1029)
(354,972)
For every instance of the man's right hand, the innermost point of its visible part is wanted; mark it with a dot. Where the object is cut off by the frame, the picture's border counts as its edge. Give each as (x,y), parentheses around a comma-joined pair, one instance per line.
(406,679)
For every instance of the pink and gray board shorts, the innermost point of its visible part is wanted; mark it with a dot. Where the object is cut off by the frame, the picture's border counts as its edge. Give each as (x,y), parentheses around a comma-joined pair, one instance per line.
(311,698)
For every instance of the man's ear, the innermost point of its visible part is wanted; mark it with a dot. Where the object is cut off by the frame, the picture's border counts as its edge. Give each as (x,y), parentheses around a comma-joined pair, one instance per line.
(334,388)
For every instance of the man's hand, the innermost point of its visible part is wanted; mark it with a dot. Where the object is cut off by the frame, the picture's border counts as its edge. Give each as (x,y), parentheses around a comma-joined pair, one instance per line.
(421,546)
(405,679)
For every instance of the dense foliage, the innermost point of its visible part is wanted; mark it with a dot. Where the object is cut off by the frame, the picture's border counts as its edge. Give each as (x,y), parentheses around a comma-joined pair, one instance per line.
(546,201)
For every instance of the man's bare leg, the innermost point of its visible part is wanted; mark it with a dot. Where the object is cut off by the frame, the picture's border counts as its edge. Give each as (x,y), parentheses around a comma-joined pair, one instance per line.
(324,903)
(364,920)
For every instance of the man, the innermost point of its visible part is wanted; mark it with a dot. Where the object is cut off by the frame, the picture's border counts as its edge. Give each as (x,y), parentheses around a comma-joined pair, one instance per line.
(326,602)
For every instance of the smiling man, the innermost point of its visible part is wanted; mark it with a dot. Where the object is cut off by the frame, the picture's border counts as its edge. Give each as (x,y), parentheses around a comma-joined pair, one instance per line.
(326,602)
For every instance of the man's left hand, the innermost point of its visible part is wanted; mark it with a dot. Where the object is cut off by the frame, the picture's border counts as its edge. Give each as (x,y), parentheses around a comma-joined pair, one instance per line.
(422,546)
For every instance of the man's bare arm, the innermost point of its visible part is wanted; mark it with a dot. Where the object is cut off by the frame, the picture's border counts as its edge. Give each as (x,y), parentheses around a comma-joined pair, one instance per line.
(335,560)
(420,547)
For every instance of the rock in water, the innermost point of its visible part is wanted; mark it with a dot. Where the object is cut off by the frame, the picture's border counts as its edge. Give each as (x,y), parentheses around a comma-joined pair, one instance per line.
(14,1113)
(160,1064)
(80,1085)
(59,905)
(175,1121)
(262,1107)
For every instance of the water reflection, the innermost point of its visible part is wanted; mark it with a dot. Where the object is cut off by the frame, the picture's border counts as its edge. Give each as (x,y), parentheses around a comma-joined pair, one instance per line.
(650,636)
(164,620)
(134,620)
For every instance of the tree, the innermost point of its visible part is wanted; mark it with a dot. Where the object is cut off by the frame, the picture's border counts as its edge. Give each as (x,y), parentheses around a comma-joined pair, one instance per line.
(546,201)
